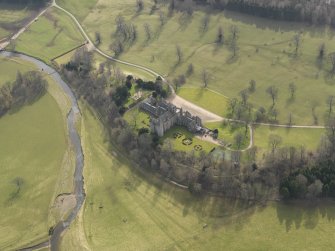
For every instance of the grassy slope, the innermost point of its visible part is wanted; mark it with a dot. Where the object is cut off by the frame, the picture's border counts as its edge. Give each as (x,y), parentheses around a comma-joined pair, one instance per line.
(28,148)
(81,8)
(212,101)
(46,40)
(160,216)
(12,17)
(267,66)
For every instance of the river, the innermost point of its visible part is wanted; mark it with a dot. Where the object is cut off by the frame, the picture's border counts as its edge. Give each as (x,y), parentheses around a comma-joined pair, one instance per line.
(73,115)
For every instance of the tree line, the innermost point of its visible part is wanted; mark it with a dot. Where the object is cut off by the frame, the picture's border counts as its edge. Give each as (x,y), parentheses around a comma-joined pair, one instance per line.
(26,89)
(312,11)
(28,3)
(317,178)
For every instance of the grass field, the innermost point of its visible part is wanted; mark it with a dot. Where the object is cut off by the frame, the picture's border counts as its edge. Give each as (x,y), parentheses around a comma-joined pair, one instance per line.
(309,138)
(142,213)
(53,34)
(265,57)
(12,17)
(9,68)
(212,101)
(28,148)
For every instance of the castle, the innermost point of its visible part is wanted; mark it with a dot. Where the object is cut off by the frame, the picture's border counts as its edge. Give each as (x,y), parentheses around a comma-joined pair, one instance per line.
(164,115)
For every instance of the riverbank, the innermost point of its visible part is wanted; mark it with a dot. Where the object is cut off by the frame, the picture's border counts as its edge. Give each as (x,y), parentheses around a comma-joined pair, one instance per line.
(72,117)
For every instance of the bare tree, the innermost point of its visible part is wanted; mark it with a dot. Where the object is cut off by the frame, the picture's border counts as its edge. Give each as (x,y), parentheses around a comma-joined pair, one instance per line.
(232,105)
(204,23)
(97,38)
(205,77)
(273,92)
(101,68)
(119,20)
(133,32)
(190,70)
(274,113)
(332,61)
(290,118)
(274,141)
(179,54)
(252,85)
(239,140)
(134,116)
(220,36)
(139,5)
(117,47)
(147,30)
(330,103)
(244,96)
(162,18)
(292,88)
(297,43)
(234,36)
(322,51)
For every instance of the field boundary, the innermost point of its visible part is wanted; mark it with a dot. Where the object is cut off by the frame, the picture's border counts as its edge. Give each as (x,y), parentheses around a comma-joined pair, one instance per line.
(63,54)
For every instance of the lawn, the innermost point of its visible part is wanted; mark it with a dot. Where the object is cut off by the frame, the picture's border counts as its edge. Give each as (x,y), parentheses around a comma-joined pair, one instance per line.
(137,119)
(127,210)
(228,131)
(309,138)
(212,101)
(53,34)
(265,55)
(178,136)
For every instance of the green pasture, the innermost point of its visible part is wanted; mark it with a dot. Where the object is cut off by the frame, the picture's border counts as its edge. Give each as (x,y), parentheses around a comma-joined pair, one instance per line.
(203,97)
(31,158)
(142,213)
(10,67)
(297,137)
(228,131)
(265,54)
(31,154)
(53,34)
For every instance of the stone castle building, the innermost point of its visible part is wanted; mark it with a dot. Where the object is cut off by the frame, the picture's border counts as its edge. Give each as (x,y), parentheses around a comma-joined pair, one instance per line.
(164,115)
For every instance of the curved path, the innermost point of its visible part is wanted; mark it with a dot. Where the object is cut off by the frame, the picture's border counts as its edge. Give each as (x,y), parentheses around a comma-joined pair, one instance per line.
(74,139)
(175,99)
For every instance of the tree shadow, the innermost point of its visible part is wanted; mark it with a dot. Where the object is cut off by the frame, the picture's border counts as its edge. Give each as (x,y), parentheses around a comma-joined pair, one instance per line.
(304,213)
